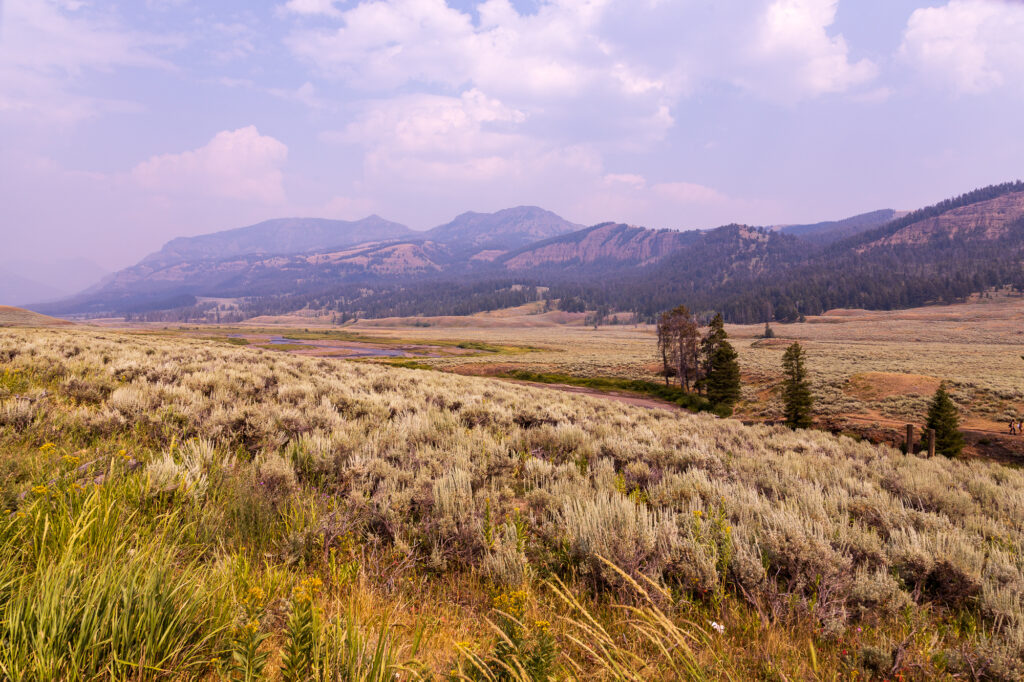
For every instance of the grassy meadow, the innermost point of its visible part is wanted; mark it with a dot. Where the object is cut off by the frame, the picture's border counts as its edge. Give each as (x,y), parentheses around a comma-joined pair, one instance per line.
(865,367)
(180,508)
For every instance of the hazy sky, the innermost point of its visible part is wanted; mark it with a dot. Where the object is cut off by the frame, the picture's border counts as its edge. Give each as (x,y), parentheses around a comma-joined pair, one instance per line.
(124,124)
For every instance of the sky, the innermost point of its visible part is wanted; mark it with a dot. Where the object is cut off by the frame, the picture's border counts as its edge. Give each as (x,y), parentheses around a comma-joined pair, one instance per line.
(126,123)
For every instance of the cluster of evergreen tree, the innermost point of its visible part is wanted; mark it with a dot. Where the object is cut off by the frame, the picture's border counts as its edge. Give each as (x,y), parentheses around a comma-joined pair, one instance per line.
(708,364)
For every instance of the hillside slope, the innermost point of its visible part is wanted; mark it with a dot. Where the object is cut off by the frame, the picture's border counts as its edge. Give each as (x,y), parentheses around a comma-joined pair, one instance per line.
(19,317)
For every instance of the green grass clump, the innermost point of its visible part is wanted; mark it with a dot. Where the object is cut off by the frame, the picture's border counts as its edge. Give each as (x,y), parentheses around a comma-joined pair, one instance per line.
(84,596)
(408,364)
(230,340)
(494,348)
(672,394)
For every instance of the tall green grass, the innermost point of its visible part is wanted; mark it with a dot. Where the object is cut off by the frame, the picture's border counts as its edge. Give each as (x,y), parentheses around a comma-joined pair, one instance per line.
(85,596)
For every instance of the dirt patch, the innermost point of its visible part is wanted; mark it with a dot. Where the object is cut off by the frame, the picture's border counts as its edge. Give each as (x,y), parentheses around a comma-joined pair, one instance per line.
(881,385)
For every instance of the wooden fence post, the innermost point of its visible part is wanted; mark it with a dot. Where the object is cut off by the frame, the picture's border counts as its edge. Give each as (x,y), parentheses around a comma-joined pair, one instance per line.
(931,442)
(910,439)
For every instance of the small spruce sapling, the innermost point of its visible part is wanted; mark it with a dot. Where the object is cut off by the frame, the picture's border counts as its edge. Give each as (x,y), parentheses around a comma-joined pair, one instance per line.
(723,382)
(942,416)
(796,394)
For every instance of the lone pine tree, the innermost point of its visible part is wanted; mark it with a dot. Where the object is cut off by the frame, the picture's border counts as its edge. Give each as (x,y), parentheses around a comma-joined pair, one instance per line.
(942,416)
(723,381)
(796,394)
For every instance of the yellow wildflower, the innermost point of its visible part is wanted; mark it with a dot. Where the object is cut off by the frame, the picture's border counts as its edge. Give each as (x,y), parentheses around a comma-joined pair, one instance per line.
(513,603)
(71,460)
(46,447)
(307,589)
(40,490)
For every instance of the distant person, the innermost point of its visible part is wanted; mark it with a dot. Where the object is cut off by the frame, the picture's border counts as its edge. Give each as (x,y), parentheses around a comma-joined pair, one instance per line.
(1013,427)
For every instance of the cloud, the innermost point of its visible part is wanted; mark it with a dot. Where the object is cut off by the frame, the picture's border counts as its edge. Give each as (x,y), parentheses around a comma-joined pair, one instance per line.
(312,7)
(471,138)
(570,48)
(346,208)
(544,64)
(233,40)
(687,193)
(236,164)
(793,34)
(970,47)
(46,46)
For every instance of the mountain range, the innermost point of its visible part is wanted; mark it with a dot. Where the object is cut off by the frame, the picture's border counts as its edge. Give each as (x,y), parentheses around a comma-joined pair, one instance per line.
(374,267)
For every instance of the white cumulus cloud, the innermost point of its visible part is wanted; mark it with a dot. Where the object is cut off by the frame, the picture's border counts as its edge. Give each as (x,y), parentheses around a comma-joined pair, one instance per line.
(472,137)
(971,46)
(235,164)
(312,7)
(793,36)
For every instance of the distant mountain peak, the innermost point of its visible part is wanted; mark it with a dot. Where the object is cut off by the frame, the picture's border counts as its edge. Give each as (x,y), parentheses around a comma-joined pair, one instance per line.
(831,231)
(503,230)
(279,236)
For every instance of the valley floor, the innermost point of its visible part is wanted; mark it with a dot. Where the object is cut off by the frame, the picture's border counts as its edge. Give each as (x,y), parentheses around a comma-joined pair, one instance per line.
(231,508)
(872,372)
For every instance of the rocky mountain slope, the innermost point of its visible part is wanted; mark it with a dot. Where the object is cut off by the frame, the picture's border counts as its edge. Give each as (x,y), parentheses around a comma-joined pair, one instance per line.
(987,220)
(608,243)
